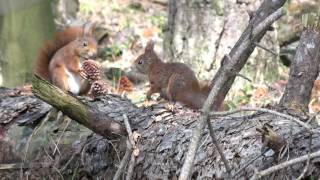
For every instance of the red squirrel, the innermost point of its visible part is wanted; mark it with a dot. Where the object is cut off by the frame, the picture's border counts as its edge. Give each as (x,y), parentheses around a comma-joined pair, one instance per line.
(59,61)
(174,81)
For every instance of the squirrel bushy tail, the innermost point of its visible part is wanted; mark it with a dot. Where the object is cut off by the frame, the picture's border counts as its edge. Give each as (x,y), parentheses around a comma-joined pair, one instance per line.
(195,99)
(205,88)
(46,53)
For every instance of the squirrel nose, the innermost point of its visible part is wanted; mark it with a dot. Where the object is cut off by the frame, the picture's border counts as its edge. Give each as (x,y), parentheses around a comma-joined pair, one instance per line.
(92,55)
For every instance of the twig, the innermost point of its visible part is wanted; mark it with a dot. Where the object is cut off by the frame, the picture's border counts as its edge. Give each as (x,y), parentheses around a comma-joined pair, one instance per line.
(285,164)
(296,120)
(115,149)
(308,161)
(68,162)
(249,162)
(266,49)
(197,134)
(14,166)
(131,167)
(62,133)
(123,162)
(46,152)
(58,171)
(162,3)
(129,131)
(244,77)
(55,145)
(131,145)
(216,143)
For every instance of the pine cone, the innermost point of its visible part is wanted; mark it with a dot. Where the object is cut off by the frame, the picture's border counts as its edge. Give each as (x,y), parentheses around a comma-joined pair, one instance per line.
(99,88)
(125,84)
(92,70)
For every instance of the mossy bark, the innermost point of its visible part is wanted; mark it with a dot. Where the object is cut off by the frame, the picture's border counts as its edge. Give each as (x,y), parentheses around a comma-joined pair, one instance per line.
(25,26)
(98,122)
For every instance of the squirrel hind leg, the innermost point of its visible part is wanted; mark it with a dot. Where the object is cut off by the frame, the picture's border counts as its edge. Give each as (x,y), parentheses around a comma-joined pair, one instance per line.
(176,86)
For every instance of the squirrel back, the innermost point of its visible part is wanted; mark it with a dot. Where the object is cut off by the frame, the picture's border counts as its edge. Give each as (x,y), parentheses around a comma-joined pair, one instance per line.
(46,53)
(174,81)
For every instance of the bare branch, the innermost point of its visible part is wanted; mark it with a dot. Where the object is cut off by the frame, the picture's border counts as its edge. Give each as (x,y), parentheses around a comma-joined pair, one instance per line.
(131,167)
(123,162)
(266,49)
(216,143)
(308,161)
(71,106)
(268,12)
(129,131)
(249,162)
(285,164)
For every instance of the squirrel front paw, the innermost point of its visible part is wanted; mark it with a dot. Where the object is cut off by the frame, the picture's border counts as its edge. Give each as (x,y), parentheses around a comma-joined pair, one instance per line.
(83,74)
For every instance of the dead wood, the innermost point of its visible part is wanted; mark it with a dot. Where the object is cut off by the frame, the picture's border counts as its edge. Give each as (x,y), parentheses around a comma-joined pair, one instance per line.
(86,115)
(164,140)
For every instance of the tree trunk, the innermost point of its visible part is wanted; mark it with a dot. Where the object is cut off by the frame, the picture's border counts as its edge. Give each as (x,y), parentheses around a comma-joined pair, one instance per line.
(162,145)
(213,27)
(25,26)
(304,69)
(193,28)
(65,12)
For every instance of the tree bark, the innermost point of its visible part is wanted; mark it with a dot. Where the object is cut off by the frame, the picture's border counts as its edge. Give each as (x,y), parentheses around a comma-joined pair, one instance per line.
(193,27)
(26,25)
(303,70)
(164,138)
(88,116)
(65,12)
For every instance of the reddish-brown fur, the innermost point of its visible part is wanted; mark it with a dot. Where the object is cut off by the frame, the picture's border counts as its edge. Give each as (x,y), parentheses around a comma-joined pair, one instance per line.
(65,52)
(174,81)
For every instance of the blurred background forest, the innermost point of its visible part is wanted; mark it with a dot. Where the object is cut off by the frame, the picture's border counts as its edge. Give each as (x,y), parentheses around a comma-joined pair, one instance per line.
(197,33)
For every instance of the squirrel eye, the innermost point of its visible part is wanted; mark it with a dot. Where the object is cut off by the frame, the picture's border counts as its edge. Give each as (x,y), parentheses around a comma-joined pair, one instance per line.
(84,43)
(140,61)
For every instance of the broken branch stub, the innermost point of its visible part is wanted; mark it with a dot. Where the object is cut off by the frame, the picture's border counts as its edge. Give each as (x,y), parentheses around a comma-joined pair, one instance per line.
(96,121)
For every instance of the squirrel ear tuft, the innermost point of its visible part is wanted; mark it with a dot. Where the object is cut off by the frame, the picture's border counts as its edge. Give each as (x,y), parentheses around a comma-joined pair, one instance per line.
(150,46)
(89,28)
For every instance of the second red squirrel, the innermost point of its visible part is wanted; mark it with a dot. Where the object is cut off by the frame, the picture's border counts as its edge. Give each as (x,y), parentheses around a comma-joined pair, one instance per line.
(174,81)
(59,61)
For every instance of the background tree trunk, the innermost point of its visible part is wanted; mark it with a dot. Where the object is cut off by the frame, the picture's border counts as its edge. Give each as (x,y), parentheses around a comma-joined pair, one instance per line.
(193,28)
(65,12)
(199,33)
(25,26)
(304,69)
